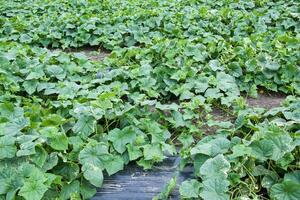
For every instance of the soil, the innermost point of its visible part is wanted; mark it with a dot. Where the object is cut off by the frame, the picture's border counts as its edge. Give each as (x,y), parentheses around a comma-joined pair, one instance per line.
(266,100)
(93,53)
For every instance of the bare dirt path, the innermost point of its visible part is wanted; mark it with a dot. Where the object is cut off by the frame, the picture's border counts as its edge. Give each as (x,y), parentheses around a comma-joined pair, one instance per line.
(92,53)
(267,101)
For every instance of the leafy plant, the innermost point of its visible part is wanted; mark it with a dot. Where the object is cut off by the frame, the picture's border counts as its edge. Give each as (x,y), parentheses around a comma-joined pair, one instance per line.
(67,122)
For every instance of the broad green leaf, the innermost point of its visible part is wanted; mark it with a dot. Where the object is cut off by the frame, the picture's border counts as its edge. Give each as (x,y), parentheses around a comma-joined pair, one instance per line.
(85,126)
(261,150)
(153,152)
(25,38)
(120,138)
(227,83)
(287,190)
(201,84)
(65,58)
(212,148)
(87,190)
(94,154)
(7,147)
(215,167)
(215,188)
(30,86)
(293,176)
(266,61)
(199,159)
(282,145)
(50,161)
(31,172)
(114,164)
(134,152)
(67,170)
(56,139)
(59,142)
(93,174)
(190,189)
(40,156)
(240,150)
(33,190)
(146,164)
(224,124)
(269,180)
(213,93)
(56,71)
(178,119)
(215,65)
(285,161)
(68,189)
(186,140)
(157,133)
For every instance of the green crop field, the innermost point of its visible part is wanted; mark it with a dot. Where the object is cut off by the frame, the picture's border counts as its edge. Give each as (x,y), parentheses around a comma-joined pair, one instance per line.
(68,121)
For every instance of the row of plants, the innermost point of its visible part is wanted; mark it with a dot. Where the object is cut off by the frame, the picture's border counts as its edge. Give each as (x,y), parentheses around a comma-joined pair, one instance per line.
(251,40)
(62,127)
(67,121)
(256,158)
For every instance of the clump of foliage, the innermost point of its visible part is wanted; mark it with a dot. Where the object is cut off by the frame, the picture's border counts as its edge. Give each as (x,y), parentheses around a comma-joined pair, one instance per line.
(258,155)
(66,121)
